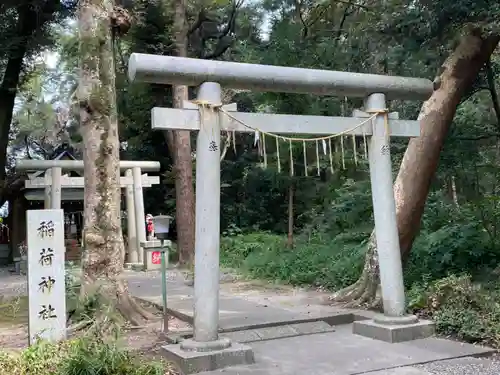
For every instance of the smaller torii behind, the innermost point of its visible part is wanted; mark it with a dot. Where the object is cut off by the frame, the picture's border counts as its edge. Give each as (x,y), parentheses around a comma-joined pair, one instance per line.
(209,117)
(134,181)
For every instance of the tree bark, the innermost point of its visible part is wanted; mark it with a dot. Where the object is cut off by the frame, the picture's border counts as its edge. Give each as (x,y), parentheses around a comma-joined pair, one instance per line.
(421,158)
(103,259)
(180,142)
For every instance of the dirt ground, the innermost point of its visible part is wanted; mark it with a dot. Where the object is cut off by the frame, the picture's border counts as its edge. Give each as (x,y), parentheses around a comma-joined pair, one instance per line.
(15,336)
(14,319)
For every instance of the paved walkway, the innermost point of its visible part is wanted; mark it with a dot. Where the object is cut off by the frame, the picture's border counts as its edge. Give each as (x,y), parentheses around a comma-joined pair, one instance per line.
(245,307)
(241,304)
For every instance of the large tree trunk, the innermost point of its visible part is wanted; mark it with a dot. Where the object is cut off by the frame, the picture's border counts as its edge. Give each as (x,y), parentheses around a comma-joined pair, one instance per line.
(180,142)
(421,158)
(103,259)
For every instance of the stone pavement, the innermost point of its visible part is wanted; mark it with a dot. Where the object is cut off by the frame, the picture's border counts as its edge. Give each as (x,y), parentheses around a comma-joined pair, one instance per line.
(291,333)
(268,319)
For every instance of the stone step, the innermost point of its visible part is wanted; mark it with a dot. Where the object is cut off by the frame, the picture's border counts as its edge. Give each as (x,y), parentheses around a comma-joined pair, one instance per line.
(279,332)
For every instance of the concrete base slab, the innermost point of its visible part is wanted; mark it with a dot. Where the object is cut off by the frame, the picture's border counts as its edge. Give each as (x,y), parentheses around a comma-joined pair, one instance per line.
(343,353)
(394,333)
(191,362)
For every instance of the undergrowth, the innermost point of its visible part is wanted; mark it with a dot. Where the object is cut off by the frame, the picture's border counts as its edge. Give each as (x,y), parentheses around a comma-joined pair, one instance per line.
(460,307)
(266,256)
(81,356)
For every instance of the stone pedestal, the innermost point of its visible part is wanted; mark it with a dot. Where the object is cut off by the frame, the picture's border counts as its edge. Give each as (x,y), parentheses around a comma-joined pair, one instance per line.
(205,359)
(394,329)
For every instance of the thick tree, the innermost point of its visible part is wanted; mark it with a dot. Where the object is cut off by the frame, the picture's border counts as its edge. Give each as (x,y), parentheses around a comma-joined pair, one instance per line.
(180,143)
(102,262)
(420,160)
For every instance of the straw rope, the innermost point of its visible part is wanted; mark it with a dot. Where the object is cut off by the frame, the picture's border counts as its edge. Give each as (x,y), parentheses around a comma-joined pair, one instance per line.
(374,113)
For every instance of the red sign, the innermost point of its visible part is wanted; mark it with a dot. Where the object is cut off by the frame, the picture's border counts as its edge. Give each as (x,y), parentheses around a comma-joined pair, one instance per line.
(156,257)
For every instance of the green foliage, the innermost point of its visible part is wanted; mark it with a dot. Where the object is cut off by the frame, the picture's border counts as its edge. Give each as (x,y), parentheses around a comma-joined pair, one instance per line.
(452,240)
(88,357)
(81,356)
(266,256)
(328,252)
(460,308)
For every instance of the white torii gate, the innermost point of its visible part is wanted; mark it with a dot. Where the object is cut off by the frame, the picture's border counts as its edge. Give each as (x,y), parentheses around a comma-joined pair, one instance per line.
(133,181)
(210,75)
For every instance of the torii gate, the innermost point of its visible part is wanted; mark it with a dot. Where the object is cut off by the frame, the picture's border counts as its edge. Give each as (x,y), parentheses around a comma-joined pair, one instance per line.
(210,75)
(134,181)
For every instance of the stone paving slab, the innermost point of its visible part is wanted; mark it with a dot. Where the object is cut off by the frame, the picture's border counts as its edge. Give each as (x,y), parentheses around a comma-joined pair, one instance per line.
(279,332)
(235,312)
(343,353)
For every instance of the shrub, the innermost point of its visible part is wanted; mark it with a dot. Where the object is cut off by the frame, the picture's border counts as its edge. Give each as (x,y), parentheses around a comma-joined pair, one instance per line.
(82,356)
(460,308)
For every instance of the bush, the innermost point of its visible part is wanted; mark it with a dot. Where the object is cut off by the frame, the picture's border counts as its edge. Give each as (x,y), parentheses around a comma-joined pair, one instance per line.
(460,308)
(454,248)
(81,356)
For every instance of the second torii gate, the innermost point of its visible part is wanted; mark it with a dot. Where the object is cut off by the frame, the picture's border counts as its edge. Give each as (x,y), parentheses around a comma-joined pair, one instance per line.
(134,181)
(210,75)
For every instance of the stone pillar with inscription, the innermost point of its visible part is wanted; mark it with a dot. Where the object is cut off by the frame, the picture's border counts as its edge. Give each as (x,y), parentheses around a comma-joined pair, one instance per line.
(46,279)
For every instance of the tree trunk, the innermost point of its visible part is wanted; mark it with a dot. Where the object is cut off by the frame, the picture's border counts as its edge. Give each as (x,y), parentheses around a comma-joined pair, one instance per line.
(180,142)
(102,262)
(421,158)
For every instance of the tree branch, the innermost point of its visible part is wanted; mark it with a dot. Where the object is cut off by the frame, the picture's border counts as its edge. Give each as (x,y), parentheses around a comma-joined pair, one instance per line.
(225,37)
(346,14)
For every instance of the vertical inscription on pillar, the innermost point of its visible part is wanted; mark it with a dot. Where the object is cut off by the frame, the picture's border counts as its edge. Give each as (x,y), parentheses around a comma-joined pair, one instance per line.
(384,150)
(213,146)
(46,289)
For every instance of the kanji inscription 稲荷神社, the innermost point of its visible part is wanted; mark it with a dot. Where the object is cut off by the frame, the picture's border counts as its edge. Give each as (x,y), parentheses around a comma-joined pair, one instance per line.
(46,279)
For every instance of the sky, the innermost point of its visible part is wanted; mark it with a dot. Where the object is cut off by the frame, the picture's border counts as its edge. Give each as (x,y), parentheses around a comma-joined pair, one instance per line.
(51,59)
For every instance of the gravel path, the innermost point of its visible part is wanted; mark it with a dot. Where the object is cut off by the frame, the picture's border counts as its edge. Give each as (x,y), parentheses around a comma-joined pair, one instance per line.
(462,366)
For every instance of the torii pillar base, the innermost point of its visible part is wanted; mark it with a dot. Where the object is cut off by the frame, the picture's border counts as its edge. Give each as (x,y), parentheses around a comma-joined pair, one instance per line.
(193,357)
(394,329)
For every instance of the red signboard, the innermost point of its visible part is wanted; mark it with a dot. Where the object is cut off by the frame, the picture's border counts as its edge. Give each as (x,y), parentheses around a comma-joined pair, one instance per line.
(156,257)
